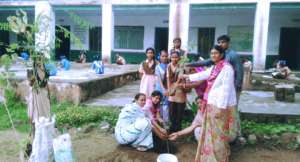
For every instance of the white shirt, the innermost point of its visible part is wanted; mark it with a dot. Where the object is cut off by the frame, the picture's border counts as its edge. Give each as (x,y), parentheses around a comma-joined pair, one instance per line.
(222,93)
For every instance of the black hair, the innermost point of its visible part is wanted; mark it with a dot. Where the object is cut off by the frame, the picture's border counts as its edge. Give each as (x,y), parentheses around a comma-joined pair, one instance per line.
(137,96)
(176,52)
(152,49)
(163,51)
(156,93)
(225,38)
(220,49)
(177,39)
(282,63)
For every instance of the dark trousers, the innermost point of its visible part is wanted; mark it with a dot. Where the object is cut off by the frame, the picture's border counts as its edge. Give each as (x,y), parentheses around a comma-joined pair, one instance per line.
(176,112)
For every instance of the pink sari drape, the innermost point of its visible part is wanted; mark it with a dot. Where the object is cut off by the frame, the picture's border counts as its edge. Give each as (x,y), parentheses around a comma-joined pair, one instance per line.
(201,88)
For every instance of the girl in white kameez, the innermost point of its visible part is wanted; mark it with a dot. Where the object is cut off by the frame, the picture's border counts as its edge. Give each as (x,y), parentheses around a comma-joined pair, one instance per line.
(147,69)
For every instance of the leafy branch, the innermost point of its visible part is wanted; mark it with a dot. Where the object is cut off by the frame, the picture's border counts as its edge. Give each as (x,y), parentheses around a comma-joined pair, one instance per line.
(80,21)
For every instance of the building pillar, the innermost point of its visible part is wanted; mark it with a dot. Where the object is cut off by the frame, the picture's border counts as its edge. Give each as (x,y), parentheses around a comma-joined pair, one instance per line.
(107,31)
(45,37)
(179,16)
(260,39)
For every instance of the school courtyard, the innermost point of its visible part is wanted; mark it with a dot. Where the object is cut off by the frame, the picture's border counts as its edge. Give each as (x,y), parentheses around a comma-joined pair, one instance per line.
(93,139)
(86,104)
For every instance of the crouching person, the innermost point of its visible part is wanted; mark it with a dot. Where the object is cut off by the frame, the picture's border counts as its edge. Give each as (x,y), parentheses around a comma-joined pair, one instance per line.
(133,126)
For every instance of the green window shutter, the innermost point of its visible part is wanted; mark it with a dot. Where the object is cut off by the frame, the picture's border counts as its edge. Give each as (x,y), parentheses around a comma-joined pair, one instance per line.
(118,37)
(95,41)
(129,37)
(241,38)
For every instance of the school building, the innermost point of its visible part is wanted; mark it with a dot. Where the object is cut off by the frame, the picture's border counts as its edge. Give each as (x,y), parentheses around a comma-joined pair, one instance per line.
(261,30)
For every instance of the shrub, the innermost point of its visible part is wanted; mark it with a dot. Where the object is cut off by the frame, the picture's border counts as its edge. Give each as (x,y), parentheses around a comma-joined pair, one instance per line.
(78,115)
(251,127)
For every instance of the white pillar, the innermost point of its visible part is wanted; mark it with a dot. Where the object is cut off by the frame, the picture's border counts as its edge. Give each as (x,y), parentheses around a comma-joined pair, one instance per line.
(107,31)
(260,39)
(45,37)
(179,16)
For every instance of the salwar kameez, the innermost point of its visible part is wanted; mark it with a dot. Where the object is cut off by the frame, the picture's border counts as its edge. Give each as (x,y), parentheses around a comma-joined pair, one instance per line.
(161,86)
(177,98)
(147,85)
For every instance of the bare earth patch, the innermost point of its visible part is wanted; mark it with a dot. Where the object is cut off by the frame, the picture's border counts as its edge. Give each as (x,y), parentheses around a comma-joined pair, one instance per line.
(101,147)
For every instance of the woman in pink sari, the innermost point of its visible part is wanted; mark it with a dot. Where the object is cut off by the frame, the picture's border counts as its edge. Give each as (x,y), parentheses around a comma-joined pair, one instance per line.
(216,114)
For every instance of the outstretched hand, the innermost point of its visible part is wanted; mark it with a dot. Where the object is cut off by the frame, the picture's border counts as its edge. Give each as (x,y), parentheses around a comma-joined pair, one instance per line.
(183,76)
(166,93)
(163,134)
(173,136)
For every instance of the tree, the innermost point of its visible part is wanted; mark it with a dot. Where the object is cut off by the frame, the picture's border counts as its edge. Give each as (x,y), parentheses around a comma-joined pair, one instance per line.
(19,25)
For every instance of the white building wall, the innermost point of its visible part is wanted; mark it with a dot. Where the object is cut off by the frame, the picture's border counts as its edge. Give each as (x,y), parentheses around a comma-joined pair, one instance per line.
(193,40)
(149,23)
(277,21)
(219,22)
(64,19)
(146,21)
(222,22)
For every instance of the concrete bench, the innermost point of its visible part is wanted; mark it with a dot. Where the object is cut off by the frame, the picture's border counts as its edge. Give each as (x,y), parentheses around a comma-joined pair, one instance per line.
(284,92)
(265,82)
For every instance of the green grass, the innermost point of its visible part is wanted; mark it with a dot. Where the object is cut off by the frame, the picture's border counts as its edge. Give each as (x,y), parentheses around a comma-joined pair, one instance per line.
(66,114)
(19,116)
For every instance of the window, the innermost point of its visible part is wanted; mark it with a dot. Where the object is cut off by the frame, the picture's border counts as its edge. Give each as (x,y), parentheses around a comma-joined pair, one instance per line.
(241,38)
(129,37)
(95,35)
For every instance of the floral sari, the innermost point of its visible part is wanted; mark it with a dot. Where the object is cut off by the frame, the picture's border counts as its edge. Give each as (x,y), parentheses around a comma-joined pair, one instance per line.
(218,126)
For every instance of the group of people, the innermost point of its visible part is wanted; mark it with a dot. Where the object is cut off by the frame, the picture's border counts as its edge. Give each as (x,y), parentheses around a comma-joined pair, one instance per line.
(158,109)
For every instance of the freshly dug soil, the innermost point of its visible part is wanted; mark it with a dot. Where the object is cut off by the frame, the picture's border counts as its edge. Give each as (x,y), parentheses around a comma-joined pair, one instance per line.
(101,147)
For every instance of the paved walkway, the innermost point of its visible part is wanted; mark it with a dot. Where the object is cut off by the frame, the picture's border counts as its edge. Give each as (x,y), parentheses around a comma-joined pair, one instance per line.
(117,97)
(258,102)
(264,103)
